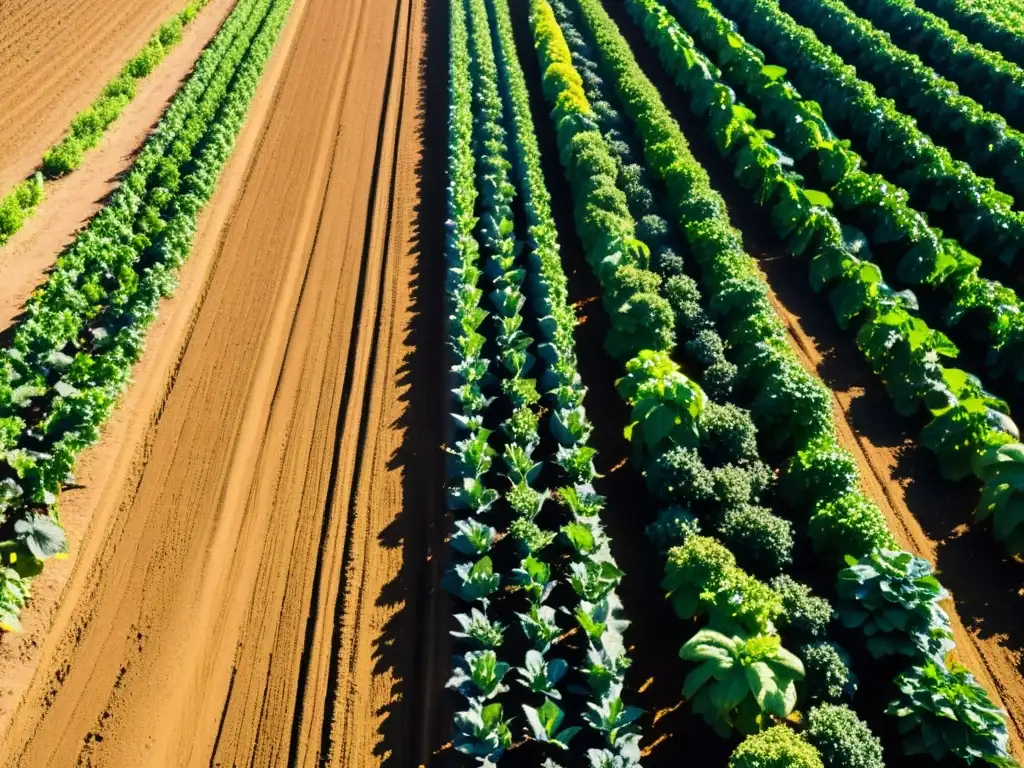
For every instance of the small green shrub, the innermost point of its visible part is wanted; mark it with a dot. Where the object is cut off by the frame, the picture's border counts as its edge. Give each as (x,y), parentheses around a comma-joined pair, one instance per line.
(829,677)
(804,615)
(842,739)
(762,542)
(778,747)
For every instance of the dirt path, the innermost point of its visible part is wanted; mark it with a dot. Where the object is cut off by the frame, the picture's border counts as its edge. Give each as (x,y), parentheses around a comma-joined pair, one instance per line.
(263,504)
(55,57)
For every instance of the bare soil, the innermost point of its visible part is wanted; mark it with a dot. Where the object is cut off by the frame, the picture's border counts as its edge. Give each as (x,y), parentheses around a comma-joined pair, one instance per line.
(55,58)
(258,529)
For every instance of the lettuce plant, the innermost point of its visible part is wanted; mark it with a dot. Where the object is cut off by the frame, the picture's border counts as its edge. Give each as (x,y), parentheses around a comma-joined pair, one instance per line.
(546,724)
(478,674)
(743,680)
(481,630)
(541,675)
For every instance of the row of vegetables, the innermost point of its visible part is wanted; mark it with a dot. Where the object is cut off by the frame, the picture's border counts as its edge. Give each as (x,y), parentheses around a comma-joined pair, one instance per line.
(71,356)
(969,431)
(89,125)
(529,544)
(920,253)
(981,217)
(981,138)
(995,24)
(699,456)
(984,75)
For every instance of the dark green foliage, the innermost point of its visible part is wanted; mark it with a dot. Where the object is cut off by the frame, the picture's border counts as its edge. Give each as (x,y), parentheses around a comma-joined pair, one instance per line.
(679,475)
(731,485)
(829,677)
(671,528)
(804,616)
(668,263)
(761,541)
(705,348)
(654,231)
(719,379)
(729,435)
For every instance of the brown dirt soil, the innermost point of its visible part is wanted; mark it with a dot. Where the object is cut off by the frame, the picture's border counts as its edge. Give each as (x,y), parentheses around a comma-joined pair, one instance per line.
(262,513)
(73,199)
(55,58)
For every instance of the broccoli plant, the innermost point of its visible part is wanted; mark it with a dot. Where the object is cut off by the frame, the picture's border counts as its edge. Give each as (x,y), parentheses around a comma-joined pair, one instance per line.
(842,739)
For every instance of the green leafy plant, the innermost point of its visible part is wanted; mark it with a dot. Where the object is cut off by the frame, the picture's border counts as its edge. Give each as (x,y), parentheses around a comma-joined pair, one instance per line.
(539,626)
(842,739)
(701,577)
(534,576)
(805,616)
(777,747)
(540,675)
(472,537)
(666,404)
(478,674)
(546,724)
(742,681)
(894,598)
(475,626)
(943,711)
(482,732)
(473,581)
(611,715)
(828,676)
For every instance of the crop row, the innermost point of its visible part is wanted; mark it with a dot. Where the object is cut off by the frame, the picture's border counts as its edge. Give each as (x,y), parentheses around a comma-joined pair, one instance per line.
(981,138)
(969,427)
(921,254)
(702,454)
(71,356)
(88,126)
(965,432)
(709,473)
(993,23)
(552,549)
(980,216)
(984,75)
(788,404)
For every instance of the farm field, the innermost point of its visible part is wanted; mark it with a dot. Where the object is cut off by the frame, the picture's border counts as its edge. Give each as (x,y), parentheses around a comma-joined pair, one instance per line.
(542,383)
